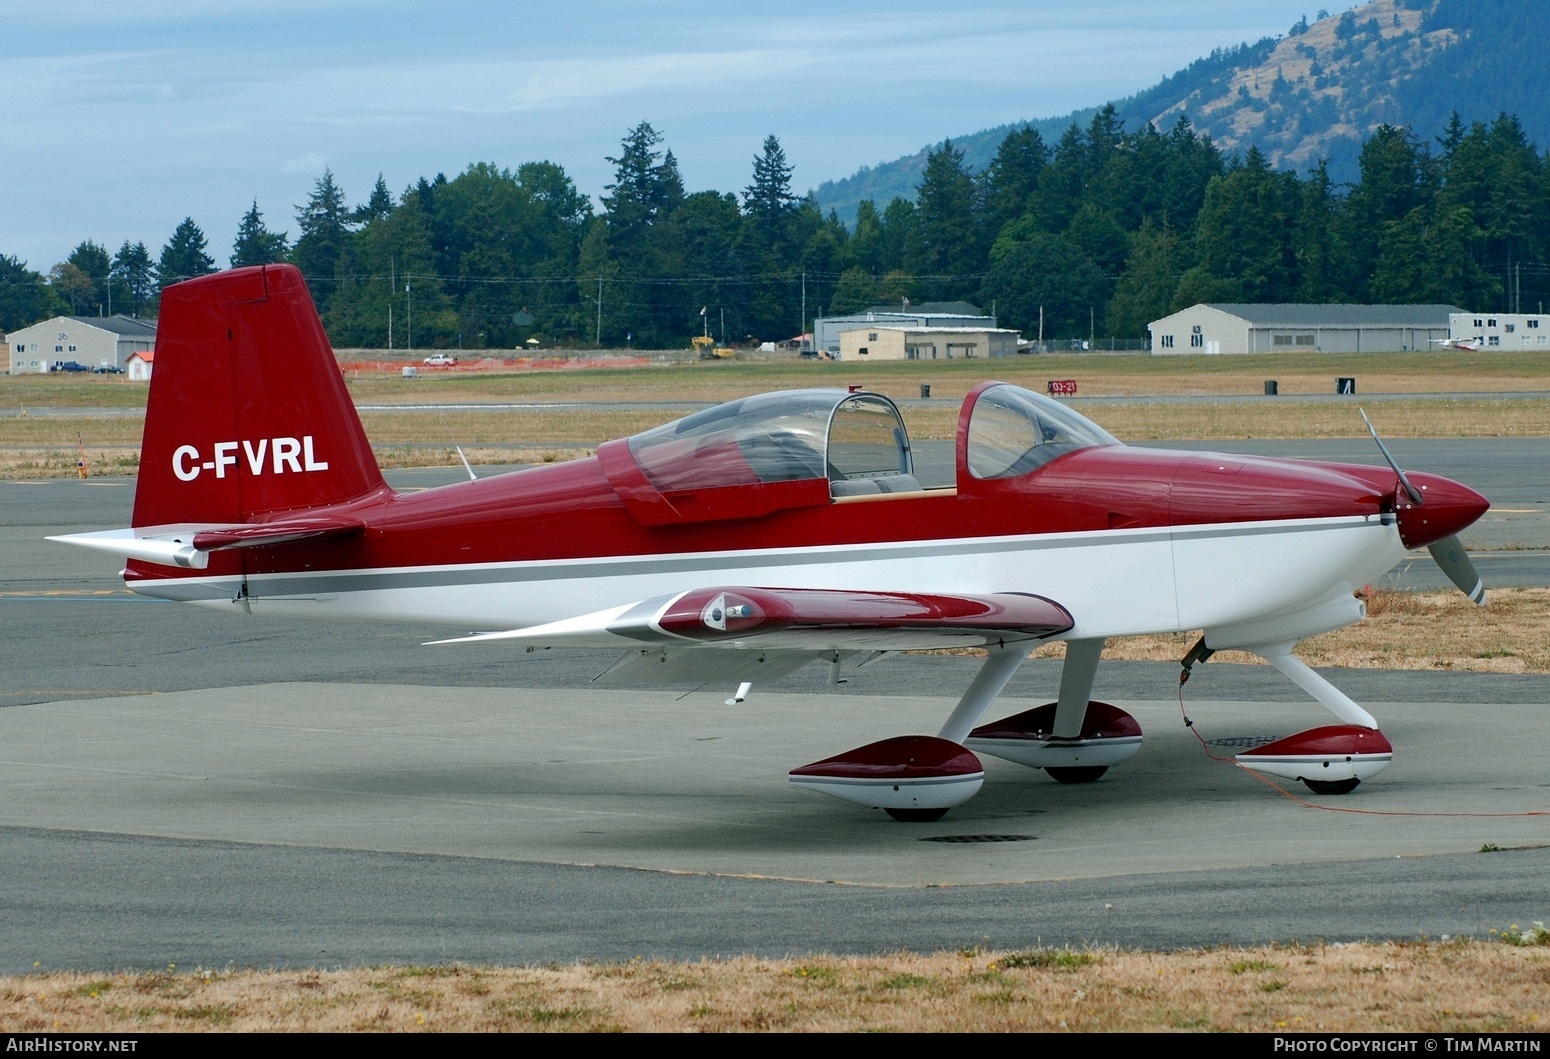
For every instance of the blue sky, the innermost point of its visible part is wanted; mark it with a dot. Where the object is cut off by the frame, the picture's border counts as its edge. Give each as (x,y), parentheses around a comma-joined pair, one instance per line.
(117,120)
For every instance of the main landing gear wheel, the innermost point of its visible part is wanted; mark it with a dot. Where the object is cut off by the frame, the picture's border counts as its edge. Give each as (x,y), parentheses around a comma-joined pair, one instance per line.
(1108,737)
(1332,786)
(915,778)
(1076,773)
(916,816)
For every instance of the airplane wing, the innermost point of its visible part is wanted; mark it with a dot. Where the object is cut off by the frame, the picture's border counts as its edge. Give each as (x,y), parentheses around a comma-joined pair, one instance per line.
(764,633)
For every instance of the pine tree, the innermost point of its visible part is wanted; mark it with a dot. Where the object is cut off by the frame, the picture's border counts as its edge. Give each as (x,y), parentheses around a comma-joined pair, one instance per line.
(378,206)
(1397,178)
(866,238)
(255,243)
(1320,265)
(769,245)
(24,297)
(1013,178)
(949,229)
(643,189)
(184,255)
(95,264)
(133,274)
(323,239)
(1145,290)
(1244,239)
(768,201)
(646,192)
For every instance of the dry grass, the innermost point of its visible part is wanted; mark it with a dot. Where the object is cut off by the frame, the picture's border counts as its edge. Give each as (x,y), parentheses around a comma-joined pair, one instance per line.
(1403,630)
(465,427)
(45,445)
(42,446)
(1107,375)
(1279,418)
(1424,986)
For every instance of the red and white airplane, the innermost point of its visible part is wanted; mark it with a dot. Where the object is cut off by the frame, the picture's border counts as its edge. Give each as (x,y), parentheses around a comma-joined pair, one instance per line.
(750,539)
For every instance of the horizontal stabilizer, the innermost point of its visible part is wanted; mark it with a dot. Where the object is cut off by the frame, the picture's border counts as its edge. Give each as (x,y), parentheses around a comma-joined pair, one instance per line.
(268,533)
(171,549)
(189,547)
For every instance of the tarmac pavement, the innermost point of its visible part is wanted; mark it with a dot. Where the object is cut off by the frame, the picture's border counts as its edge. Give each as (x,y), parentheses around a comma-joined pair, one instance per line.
(182,786)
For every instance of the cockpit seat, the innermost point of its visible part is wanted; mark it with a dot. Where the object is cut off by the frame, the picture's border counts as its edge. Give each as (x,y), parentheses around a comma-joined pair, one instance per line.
(888,483)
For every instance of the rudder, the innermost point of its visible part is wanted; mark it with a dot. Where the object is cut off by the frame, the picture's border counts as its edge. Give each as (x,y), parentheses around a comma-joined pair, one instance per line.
(248,414)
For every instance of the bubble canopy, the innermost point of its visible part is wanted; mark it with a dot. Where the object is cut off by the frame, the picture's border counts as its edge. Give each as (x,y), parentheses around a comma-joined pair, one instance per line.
(777,437)
(1013,432)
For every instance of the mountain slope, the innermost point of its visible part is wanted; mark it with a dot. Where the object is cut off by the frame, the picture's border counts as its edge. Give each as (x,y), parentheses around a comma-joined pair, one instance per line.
(1315,93)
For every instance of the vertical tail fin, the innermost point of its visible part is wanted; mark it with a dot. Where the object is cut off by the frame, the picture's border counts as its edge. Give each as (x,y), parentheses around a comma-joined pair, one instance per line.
(248,412)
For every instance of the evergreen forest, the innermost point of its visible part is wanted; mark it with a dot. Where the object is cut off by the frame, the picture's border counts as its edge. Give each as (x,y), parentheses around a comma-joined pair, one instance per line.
(1095,234)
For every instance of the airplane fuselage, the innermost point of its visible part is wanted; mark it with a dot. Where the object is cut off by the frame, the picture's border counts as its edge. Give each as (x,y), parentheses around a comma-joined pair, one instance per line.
(1133,540)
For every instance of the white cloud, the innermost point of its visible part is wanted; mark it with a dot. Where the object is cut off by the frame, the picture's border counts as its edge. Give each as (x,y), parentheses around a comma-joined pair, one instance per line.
(312,162)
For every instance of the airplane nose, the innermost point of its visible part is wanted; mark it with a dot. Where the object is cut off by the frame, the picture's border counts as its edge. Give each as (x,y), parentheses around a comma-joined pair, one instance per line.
(1446,507)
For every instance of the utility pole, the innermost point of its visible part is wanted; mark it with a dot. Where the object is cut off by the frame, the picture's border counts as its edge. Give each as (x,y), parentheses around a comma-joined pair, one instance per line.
(1041,329)
(803,329)
(409,295)
(597,338)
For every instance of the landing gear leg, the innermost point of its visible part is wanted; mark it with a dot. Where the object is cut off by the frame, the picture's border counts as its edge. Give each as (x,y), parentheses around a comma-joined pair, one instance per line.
(1076,689)
(993,676)
(1076,686)
(1297,671)
(1330,760)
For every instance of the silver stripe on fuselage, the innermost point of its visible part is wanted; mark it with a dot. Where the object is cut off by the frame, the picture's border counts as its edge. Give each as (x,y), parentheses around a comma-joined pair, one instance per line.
(297,586)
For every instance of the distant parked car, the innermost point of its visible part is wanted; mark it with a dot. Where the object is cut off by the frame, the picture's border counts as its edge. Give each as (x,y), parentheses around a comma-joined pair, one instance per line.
(440,360)
(107,369)
(69,365)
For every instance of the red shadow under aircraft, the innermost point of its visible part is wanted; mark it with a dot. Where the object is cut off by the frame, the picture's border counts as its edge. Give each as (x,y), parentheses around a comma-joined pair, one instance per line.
(750,539)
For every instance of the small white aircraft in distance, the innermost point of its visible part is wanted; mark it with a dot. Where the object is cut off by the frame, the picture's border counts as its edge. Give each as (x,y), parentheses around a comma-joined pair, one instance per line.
(750,539)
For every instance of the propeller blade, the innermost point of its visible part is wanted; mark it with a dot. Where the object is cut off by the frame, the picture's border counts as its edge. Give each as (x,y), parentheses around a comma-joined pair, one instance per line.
(1411,491)
(1454,560)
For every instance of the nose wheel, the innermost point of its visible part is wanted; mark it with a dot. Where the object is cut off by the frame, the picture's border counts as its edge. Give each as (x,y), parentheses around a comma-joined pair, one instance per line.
(1340,755)
(916,816)
(1332,786)
(1075,773)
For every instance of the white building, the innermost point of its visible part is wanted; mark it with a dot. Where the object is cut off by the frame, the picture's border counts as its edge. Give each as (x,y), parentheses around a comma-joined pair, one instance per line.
(827,329)
(138,366)
(1277,328)
(1500,330)
(94,341)
(889,342)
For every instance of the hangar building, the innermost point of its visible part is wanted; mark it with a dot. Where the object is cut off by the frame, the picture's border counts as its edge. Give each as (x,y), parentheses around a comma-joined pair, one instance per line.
(827,329)
(93,341)
(1278,328)
(1501,330)
(893,342)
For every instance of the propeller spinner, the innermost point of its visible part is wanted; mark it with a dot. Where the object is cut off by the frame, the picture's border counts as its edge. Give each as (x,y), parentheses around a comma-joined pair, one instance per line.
(1432,515)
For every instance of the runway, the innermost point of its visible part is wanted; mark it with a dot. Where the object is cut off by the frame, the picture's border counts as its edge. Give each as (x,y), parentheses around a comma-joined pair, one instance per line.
(185,787)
